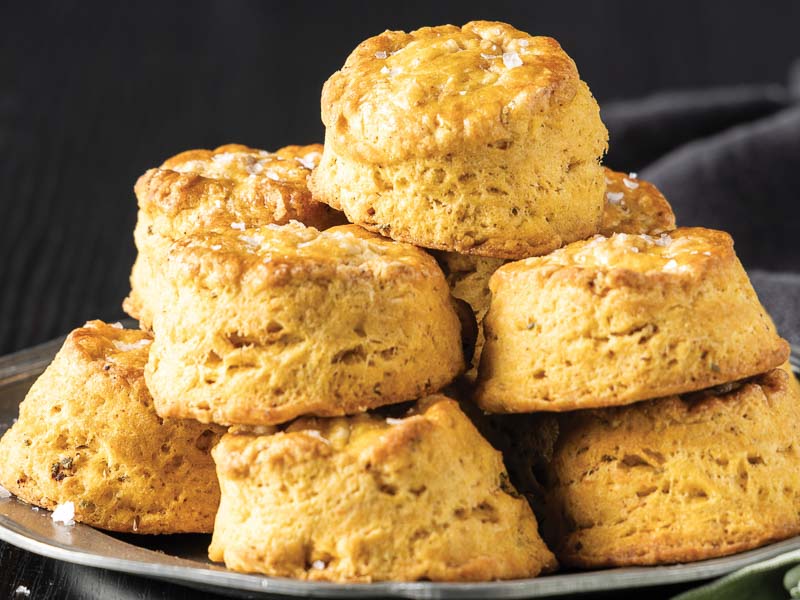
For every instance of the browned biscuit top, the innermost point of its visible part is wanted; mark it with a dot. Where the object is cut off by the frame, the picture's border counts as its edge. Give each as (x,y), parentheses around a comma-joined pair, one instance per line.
(279,254)
(684,252)
(438,88)
(110,348)
(634,206)
(202,189)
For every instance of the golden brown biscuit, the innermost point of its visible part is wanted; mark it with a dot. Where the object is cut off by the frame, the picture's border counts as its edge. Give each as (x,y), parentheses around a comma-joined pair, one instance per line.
(264,325)
(201,190)
(87,433)
(478,139)
(368,499)
(677,479)
(634,205)
(616,320)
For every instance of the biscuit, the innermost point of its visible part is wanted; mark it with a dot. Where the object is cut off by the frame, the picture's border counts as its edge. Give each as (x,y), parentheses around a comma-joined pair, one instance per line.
(478,139)
(616,320)
(633,205)
(368,499)
(677,479)
(263,325)
(87,433)
(201,190)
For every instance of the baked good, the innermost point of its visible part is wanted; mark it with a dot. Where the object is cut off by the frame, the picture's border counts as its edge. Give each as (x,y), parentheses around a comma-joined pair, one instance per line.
(616,320)
(478,139)
(468,278)
(678,479)
(634,205)
(276,322)
(87,433)
(200,190)
(368,498)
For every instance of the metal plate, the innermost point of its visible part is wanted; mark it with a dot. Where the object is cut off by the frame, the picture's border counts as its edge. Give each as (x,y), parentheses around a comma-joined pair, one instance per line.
(182,558)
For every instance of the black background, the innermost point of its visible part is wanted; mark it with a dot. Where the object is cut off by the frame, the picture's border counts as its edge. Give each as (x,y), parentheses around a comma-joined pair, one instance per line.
(94,93)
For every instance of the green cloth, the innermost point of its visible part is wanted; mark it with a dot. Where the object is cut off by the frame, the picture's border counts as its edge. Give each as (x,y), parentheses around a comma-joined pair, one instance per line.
(774,579)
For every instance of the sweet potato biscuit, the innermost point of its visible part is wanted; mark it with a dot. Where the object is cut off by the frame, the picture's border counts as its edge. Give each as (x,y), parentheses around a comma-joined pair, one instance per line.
(478,139)
(268,324)
(678,479)
(617,320)
(88,433)
(368,499)
(202,190)
(634,205)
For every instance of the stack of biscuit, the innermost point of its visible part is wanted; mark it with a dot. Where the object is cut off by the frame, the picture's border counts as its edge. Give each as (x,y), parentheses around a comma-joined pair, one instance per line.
(310,301)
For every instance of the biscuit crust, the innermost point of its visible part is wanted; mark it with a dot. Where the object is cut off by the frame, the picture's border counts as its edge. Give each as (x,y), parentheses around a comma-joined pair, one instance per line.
(677,479)
(479,140)
(88,433)
(634,205)
(369,499)
(617,320)
(263,325)
(202,190)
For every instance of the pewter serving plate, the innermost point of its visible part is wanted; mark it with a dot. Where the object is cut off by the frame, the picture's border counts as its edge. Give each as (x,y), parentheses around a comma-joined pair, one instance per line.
(182,558)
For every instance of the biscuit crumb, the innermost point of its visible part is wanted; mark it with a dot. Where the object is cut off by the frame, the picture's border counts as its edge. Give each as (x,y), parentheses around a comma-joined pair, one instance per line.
(64,513)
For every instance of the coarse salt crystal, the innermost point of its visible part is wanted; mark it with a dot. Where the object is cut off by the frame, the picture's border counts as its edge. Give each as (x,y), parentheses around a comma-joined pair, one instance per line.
(273,175)
(462,93)
(309,161)
(633,175)
(4,493)
(254,168)
(511,60)
(128,346)
(117,325)
(218,203)
(672,265)
(251,240)
(381,54)
(238,225)
(524,43)
(614,197)
(634,249)
(316,434)
(216,247)
(22,591)
(630,183)
(224,159)
(706,253)
(64,513)
(391,72)
(489,56)
(663,240)
(318,565)
(392,421)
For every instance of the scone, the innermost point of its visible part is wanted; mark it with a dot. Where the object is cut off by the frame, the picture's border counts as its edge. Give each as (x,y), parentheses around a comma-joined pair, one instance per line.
(633,205)
(87,433)
(616,320)
(677,479)
(201,190)
(263,325)
(478,139)
(367,498)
